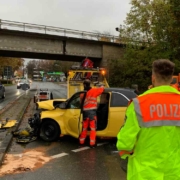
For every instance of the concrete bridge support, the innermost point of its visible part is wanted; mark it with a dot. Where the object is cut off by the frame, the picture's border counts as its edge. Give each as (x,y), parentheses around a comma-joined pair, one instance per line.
(44,46)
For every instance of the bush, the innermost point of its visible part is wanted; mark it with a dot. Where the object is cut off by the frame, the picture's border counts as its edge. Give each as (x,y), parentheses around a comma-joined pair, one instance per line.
(4,81)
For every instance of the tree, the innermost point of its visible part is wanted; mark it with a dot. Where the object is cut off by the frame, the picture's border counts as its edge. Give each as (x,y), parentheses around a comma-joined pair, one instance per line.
(151,31)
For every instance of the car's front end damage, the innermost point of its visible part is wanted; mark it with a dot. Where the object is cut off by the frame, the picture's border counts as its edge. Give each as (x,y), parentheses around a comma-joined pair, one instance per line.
(49,104)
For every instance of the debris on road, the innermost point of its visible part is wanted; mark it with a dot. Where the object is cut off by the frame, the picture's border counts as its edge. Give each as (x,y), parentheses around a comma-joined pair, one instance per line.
(27,161)
(7,123)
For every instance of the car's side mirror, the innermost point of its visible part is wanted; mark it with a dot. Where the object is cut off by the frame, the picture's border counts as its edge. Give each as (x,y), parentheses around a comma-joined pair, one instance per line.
(62,105)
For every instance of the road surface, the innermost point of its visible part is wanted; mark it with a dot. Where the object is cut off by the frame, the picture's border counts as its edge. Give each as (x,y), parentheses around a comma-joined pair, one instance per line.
(63,159)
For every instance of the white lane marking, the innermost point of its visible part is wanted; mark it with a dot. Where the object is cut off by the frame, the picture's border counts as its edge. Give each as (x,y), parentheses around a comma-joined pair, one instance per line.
(100,144)
(65,154)
(59,155)
(86,147)
(53,157)
(81,149)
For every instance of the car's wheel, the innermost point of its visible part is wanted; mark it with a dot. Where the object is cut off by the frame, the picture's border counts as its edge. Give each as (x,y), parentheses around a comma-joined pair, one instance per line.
(51,96)
(3,96)
(49,130)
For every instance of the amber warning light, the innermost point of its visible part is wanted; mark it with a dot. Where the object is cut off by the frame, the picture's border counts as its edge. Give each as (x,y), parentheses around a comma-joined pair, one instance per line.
(103,72)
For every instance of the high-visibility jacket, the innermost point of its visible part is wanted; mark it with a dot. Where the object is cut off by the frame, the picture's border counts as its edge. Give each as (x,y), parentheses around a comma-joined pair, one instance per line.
(150,137)
(90,101)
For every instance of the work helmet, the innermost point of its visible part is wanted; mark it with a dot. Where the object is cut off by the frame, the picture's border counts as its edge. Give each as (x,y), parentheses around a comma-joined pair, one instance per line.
(87,82)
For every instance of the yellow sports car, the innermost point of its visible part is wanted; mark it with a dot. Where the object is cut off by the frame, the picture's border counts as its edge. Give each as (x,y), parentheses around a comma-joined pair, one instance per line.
(66,118)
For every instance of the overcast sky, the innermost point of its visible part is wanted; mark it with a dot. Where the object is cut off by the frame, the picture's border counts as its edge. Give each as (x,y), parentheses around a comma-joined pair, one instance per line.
(85,15)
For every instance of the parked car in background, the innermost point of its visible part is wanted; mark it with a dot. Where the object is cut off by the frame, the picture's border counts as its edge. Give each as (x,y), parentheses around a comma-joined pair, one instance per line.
(2,91)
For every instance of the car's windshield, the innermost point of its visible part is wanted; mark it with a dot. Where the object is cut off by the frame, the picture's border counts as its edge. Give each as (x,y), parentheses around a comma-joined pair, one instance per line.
(75,101)
(23,81)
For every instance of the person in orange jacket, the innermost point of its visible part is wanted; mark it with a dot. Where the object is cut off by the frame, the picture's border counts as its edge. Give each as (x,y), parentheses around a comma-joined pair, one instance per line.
(176,86)
(89,113)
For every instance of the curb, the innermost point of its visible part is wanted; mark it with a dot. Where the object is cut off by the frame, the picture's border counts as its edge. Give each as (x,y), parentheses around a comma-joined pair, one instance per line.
(5,144)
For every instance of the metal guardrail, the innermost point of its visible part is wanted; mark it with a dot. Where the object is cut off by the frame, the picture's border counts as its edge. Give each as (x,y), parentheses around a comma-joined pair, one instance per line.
(27,27)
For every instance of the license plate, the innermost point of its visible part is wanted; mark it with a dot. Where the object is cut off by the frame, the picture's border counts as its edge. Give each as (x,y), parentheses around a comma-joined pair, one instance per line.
(43,96)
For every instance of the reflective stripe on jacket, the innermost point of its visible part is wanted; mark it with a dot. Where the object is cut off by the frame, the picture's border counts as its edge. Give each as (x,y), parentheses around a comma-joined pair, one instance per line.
(90,101)
(152,132)
(158,109)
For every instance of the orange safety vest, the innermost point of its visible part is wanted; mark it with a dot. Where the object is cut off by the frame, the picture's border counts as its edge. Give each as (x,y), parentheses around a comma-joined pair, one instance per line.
(158,109)
(90,101)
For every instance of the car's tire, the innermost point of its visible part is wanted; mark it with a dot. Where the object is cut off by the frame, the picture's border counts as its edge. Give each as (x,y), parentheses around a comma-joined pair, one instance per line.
(3,96)
(49,130)
(51,96)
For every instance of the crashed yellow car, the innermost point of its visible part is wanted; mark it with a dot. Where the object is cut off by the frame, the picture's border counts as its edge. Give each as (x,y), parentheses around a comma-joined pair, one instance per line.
(66,118)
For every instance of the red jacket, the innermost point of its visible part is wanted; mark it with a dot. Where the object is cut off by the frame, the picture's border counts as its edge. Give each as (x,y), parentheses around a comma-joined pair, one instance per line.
(90,101)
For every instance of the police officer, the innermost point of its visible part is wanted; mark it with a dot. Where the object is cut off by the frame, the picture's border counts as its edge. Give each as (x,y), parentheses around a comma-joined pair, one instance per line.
(150,137)
(89,112)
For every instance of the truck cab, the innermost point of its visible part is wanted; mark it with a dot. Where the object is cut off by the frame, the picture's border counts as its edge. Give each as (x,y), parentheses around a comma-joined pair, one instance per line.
(77,75)
(176,79)
(75,79)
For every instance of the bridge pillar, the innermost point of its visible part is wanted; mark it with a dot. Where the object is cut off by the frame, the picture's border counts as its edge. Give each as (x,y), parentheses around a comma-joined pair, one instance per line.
(110,53)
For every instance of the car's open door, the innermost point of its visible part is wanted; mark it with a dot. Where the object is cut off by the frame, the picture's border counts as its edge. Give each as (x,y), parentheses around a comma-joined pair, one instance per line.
(73,114)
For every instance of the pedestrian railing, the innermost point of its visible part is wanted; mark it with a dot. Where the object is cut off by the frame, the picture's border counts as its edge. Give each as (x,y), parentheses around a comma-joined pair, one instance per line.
(27,27)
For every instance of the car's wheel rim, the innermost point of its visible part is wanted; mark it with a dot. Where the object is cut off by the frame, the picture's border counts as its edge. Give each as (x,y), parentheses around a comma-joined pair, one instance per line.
(49,130)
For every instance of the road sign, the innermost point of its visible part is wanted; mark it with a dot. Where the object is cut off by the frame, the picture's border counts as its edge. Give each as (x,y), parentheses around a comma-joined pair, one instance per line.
(8,71)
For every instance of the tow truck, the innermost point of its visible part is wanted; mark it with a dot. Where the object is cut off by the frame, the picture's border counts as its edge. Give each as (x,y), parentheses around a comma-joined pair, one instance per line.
(176,81)
(77,75)
(75,79)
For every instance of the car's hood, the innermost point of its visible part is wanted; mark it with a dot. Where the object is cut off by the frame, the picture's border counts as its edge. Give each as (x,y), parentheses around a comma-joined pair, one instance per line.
(49,104)
(53,114)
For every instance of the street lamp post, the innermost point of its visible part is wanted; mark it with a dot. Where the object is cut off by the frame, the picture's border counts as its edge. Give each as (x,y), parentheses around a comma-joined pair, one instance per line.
(119,29)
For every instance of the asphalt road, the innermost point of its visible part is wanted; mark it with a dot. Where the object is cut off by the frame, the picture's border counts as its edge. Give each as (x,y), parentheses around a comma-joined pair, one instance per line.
(58,90)
(63,159)
(11,94)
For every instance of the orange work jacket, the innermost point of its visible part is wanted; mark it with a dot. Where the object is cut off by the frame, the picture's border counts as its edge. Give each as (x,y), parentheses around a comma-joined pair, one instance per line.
(158,109)
(175,86)
(90,101)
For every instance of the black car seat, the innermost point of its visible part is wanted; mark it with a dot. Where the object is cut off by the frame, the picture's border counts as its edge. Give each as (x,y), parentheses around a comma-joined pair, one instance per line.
(102,114)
